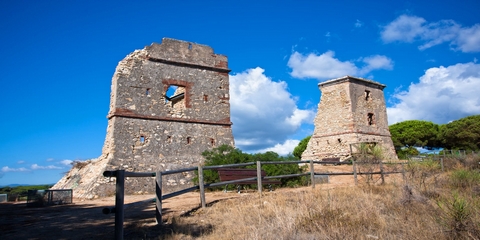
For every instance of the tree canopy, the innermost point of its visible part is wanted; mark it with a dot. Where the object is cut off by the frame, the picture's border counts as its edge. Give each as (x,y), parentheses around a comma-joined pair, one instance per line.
(415,133)
(300,148)
(19,192)
(226,154)
(463,133)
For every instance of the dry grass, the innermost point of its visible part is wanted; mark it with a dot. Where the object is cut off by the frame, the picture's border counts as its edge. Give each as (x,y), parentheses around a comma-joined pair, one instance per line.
(347,213)
(425,206)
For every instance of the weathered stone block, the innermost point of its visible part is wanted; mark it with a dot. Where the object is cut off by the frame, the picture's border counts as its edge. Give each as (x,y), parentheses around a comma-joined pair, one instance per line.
(351,111)
(169,102)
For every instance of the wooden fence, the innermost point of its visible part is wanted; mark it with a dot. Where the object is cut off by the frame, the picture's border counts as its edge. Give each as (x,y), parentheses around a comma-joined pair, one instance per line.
(120,176)
(443,154)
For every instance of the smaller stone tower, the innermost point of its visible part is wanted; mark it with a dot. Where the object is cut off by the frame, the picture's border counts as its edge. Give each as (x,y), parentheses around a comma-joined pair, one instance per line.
(351,111)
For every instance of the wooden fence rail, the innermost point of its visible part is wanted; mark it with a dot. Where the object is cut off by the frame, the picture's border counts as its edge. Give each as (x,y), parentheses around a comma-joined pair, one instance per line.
(120,176)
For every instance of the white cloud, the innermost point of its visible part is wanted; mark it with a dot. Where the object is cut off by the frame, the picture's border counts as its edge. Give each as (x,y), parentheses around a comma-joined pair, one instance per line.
(412,28)
(404,28)
(376,62)
(319,66)
(328,36)
(38,167)
(468,39)
(8,169)
(442,95)
(358,24)
(325,66)
(263,112)
(282,148)
(66,162)
(33,167)
(50,159)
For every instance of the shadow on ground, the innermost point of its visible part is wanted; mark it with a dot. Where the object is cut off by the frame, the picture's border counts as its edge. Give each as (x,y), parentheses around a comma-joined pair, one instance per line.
(84,221)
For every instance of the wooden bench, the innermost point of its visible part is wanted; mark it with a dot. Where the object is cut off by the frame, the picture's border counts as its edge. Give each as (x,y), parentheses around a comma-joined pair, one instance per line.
(334,160)
(229,174)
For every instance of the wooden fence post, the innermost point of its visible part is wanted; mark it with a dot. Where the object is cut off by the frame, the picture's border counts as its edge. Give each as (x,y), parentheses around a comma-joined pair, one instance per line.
(381,172)
(312,174)
(403,173)
(441,163)
(201,186)
(119,199)
(259,177)
(158,200)
(355,172)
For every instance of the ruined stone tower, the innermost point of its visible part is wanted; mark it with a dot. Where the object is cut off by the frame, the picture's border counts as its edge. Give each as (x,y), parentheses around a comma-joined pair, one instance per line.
(351,110)
(169,102)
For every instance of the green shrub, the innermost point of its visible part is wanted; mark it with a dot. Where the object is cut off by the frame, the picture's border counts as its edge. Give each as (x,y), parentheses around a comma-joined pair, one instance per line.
(222,155)
(300,148)
(225,154)
(20,193)
(464,178)
(423,174)
(281,169)
(404,153)
(457,216)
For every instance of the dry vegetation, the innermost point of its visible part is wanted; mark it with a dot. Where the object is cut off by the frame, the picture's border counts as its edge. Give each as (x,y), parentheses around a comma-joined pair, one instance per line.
(429,204)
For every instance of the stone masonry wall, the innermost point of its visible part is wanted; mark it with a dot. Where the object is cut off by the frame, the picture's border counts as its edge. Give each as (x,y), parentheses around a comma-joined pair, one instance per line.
(148,130)
(351,110)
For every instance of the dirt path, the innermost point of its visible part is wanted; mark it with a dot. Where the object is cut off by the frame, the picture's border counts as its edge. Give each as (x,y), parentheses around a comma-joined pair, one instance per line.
(84,219)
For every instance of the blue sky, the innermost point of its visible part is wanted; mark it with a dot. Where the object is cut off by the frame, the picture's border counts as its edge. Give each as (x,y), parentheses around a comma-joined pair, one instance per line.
(58,59)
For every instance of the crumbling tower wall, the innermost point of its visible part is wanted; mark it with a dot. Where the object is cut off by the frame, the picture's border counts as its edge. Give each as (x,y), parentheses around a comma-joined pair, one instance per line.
(169,102)
(351,111)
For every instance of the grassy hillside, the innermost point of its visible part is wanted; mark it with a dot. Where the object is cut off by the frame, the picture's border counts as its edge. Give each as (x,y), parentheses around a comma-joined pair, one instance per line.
(427,204)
